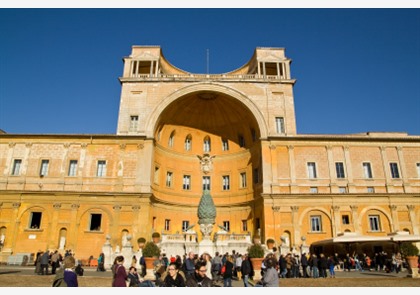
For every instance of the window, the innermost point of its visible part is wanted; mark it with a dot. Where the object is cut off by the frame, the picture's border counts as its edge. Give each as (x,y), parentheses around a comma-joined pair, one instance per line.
(313,190)
(188,143)
(342,189)
(244,225)
(35,220)
(316,223)
(101,171)
(374,223)
(241,140)
(206,144)
(206,183)
(394,170)
(44,168)
(95,222)
(134,122)
(339,168)
(171,139)
(279,125)
(16,167)
(257,223)
(253,134)
(311,170)
(156,176)
(367,170)
(345,219)
(185,225)
(226,225)
(225,144)
(226,182)
(167,224)
(256,175)
(186,182)
(168,179)
(72,168)
(418,169)
(370,189)
(242,180)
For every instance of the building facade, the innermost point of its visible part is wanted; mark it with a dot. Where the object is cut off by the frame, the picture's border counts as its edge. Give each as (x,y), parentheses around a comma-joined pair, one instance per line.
(179,134)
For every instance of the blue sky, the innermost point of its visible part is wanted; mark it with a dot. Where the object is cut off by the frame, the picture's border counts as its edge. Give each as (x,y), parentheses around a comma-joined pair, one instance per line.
(357,70)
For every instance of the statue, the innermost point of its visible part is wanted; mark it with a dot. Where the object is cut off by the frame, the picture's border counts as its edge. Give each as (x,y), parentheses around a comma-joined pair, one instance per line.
(206,214)
(206,163)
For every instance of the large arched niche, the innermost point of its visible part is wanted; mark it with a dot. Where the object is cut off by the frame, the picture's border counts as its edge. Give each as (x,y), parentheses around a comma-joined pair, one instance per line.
(205,106)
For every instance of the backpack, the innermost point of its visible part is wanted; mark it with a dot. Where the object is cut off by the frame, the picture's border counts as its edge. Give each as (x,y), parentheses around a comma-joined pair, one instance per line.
(79,270)
(59,280)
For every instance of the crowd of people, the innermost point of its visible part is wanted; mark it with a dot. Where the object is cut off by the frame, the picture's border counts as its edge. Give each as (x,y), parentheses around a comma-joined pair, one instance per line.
(193,270)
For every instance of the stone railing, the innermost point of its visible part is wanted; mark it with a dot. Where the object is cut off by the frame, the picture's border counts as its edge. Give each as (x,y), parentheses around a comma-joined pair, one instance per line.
(194,77)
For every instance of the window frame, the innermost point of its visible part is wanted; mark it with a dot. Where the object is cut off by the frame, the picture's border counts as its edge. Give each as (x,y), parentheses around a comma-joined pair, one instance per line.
(280,127)
(35,220)
(186,182)
(17,165)
(45,164)
(134,123)
(206,183)
(101,168)
(225,182)
(311,169)
(367,170)
(339,170)
(243,183)
(374,223)
(72,171)
(395,172)
(169,178)
(95,222)
(316,223)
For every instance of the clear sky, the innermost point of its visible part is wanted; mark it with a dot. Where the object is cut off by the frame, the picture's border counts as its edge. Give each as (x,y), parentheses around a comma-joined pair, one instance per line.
(357,70)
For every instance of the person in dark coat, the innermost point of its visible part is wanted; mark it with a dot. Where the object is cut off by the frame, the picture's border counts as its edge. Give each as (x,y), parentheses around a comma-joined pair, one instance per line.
(173,277)
(245,269)
(283,266)
(228,274)
(199,278)
(45,261)
(120,273)
(323,265)
(304,263)
(313,263)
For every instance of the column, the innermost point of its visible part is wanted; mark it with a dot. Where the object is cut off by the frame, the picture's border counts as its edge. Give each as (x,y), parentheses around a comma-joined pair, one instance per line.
(64,159)
(293,184)
(296,227)
(386,170)
(394,220)
(14,226)
(136,222)
(74,227)
(349,169)
(274,174)
(331,168)
(413,218)
(355,217)
(336,224)
(114,232)
(53,233)
(401,161)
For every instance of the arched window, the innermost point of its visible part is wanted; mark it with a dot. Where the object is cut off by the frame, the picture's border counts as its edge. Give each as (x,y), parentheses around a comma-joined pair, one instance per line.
(171,139)
(206,144)
(188,142)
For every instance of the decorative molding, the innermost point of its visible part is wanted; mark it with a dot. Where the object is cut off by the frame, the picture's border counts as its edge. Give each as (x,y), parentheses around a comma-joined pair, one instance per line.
(382,148)
(12,144)
(276,208)
(136,207)
(399,148)
(393,207)
(411,207)
(140,146)
(290,147)
(336,208)
(57,205)
(66,145)
(354,207)
(28,144)
(272,147)
(75,206)
(83,145)
(16,205)
(117,207)
(294,209)
(123,146)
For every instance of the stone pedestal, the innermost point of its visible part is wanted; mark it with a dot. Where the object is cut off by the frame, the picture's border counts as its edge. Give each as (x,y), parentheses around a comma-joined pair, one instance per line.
(206,246)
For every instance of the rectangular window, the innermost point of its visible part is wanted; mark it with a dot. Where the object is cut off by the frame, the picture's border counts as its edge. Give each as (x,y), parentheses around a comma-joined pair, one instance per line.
(72,168)
(339,168)
(256,175)
(367,170)
(168,179)
(226,182)
(418,169)
(226,225)
(186,182)
(345,219)
(316,224)
(134,121)
(101,171)
(242,180)
(206,145)
(342,189)
(311,170)
(185,225)
(374,223)
(44,168)
(244,225)
(241,140)
(17,163)
(225,145)
(370,189)
(280,125)
(206,183)
(156,176)
(167,224)
(35,220)
(394,170)
(313,190)
(95,222)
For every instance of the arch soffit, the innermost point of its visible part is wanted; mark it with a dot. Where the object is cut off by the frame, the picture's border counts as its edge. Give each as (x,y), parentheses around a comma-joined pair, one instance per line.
(306,211)
(150,126)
